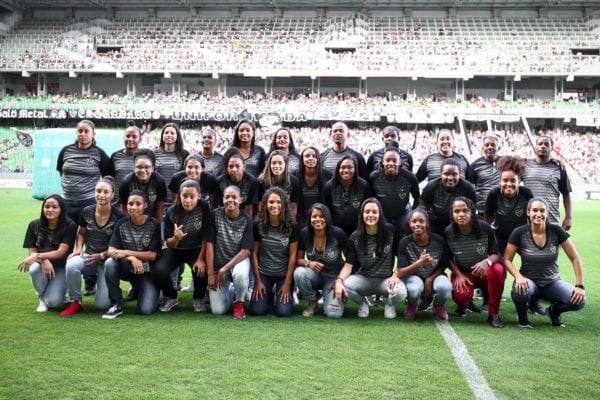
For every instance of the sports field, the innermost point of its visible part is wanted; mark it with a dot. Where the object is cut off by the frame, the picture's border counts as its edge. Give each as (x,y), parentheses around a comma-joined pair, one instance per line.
(183,355)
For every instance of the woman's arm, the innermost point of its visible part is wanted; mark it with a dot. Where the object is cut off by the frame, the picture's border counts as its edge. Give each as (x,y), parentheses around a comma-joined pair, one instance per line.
(424,259)
(521,284)
(259,289)
(339,289)
(80,241)
(118,254)
(578,294)
(285,292)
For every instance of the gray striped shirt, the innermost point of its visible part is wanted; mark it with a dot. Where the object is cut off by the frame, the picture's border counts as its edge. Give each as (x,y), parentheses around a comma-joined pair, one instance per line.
(547,181)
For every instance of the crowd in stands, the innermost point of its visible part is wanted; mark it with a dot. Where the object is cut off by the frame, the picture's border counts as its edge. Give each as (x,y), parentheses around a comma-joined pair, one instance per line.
(303,45)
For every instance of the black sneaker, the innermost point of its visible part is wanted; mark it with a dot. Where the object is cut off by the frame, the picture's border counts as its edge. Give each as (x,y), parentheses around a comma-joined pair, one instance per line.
(461,310)
(113,312)
(425,305)
(89,290)
(554,317)
(536,308)
(131,295)
(524,323)
(472,307)
(495,321)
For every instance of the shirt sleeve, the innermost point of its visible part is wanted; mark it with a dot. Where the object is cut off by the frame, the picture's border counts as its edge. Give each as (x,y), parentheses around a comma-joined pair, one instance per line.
(105,163)
(352,255)
(31,235)
(169,228)
(296,195)
(403,260)
(422,171)
(161,188)
(295,234)
(70,233)
(116,240)
(156,240)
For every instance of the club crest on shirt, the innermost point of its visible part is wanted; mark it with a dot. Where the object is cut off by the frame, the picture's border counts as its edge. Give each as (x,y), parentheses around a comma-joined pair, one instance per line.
(355,203)
(285,240)
(402,194)
(553,249)
(330,253)
(146,240)
(387,248)
(237,234)
(518,211)
(480,249)
(152,196)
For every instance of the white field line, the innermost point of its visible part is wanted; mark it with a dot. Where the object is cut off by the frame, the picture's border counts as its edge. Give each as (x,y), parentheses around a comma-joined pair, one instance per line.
(477,382)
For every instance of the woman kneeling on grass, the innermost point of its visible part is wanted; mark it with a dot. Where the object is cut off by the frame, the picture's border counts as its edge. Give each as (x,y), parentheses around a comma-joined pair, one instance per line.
(49,240)
(186,226)
(322,244)
(134,245)
(422,259)
(96,226)
(274,254)
(538,243)
(371,254)
(474,260)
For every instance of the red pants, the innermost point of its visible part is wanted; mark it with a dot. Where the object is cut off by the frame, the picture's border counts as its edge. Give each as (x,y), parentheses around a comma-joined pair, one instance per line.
(494,279)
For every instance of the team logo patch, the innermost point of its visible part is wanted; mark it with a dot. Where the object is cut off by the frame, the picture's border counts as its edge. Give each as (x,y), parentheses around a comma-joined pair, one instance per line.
(146,240)
(285,241)
(480,249)
(355,203)
(387,248)
(152,197)
(330,253)
(402,194)
(197,224)
(237,235)
(518,211)
(553,249)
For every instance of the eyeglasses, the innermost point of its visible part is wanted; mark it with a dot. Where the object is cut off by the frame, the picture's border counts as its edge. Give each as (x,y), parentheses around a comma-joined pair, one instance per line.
(143,167)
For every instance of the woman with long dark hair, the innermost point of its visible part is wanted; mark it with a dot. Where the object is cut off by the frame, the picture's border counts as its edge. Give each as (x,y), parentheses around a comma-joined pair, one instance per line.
(539,243)
(234,173)
(48,241)
(344,194)
(371,250)
(170,154)
(312,179)
(474,259)
(274,255)
(283,141)
(319,261)
(187,223)
(276,174)
(96,226)
(244,139)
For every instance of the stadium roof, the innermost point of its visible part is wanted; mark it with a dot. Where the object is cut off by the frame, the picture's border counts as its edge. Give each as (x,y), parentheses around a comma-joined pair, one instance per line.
(20,5)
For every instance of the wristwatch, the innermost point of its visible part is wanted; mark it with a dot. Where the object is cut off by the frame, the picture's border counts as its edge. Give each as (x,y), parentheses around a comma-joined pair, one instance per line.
(580,286)
(489,262)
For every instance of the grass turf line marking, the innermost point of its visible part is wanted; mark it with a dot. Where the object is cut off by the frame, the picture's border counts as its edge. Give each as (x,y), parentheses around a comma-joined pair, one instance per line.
(477,382)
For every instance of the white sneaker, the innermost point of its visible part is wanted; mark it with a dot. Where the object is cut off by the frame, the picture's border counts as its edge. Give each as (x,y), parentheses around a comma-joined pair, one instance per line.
(363,310)
(389,310)
(189,287)
(199,305)
(296,299)
(169,305)
(42,307)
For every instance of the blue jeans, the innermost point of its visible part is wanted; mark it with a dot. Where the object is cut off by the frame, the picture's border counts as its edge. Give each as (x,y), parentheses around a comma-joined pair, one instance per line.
(558,293)
(76,266)
(259,306)
(115,270)
(359,286)
(168,264)
(309,281)
(222,298)
(442,288)
(50,291)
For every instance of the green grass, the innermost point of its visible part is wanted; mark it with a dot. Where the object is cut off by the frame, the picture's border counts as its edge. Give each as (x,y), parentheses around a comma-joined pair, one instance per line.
(185,355)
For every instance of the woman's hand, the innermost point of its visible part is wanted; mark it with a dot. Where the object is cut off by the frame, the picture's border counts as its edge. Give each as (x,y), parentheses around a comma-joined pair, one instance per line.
(339,290)
(178,232)
(285,293)
(92,258)
(48,269)
(461,282)
(425,258)
(577,295)
(521,285)
(27,262)
(199,268)
(75,253)
(478,270)
(220,278)
(392,282)
(137,266)
(259,290)
(212,282)
(118,254)
(315,266)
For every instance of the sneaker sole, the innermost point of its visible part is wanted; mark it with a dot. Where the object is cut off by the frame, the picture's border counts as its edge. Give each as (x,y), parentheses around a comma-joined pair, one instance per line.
(113,316)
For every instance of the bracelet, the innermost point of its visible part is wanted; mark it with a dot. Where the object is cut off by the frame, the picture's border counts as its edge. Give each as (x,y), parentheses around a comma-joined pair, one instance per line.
(580,286)
(339,279)
(38,258)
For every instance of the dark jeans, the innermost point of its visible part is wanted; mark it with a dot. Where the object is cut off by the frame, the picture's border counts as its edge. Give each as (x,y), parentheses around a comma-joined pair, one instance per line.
(170,260)
(558,293)
(259,306)
(147,292)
